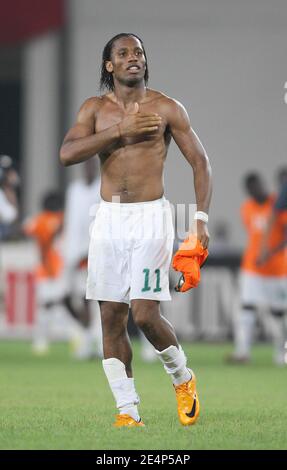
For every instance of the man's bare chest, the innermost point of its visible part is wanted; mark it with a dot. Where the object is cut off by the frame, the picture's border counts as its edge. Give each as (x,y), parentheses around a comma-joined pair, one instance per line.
(109,116)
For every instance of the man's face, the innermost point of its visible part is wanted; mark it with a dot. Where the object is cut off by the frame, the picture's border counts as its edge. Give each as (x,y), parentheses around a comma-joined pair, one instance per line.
(128,63)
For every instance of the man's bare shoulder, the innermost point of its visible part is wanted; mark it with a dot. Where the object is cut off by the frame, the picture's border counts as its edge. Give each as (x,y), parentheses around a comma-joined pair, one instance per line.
(90,108)
(92,104)
(172,110)
(164,100)
(155,94)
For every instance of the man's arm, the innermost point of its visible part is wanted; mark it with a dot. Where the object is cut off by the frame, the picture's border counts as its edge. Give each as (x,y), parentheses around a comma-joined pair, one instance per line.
(192,149)
(81,141)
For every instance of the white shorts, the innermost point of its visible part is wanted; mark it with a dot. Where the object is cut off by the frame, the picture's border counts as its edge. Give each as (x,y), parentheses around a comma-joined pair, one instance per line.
(130,251)
(263,291)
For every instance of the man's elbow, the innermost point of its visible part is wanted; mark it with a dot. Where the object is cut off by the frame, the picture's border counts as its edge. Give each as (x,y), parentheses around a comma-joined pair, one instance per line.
(202,163)
(65,156)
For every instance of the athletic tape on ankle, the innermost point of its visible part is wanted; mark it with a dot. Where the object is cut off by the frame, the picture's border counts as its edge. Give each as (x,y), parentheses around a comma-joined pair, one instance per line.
(173,359)
(114,369)
(124,393)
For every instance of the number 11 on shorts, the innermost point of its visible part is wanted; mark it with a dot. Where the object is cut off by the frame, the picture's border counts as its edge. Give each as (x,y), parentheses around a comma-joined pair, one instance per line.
(146,286)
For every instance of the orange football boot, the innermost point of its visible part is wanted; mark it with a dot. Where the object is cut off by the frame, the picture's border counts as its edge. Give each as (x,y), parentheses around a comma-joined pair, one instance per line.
(126,421)
(187,402)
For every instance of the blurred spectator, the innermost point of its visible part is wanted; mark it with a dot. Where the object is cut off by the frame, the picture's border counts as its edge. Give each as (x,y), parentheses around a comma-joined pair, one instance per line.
(82,195)
(45,229)
(276,249)
(9,182)
(261,280)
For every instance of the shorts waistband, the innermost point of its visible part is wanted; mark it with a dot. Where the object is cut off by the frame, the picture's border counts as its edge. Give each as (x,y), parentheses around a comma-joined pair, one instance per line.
(132,205)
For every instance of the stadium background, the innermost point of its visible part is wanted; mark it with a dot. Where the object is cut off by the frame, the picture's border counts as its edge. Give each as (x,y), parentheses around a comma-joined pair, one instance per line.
(225,61)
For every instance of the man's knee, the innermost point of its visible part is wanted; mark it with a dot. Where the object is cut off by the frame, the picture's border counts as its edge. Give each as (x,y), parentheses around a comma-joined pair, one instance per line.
(144,313)
(114,317)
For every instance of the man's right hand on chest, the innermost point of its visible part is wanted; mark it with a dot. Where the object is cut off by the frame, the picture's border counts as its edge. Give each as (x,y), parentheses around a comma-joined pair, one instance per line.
(137,123)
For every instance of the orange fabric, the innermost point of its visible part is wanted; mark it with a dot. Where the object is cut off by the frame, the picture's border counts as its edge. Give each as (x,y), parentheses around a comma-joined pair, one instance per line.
(44,228)
(188,259)
(255,218)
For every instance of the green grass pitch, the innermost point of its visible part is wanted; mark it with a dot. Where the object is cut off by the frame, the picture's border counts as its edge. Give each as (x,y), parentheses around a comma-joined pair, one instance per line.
(56,403)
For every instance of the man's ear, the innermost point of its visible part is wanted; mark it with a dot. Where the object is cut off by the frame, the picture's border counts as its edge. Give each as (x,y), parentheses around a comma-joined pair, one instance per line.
(109,66)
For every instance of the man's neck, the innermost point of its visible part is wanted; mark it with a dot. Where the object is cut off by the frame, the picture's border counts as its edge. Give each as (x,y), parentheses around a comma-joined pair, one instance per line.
(125,95)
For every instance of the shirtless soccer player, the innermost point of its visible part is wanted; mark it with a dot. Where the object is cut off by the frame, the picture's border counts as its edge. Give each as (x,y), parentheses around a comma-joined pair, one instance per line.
(130,129)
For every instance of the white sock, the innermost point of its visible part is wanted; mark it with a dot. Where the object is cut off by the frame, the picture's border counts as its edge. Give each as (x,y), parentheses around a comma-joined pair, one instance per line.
(174,362)
(122,387)
(243,333)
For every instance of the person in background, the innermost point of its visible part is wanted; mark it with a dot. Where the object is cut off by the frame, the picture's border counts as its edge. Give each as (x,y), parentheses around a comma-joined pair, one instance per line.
(82,196)
(9,182)
(274,249)
(46,228)
(258,279)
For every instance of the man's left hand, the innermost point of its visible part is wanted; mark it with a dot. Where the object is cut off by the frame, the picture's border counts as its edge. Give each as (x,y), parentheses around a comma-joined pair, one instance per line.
(200,229)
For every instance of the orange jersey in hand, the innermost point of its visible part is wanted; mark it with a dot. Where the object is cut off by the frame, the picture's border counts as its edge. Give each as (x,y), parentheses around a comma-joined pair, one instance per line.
(188,259)
(44,228)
